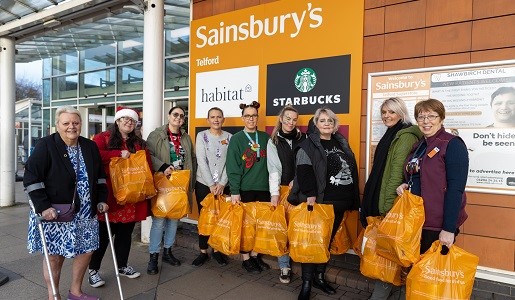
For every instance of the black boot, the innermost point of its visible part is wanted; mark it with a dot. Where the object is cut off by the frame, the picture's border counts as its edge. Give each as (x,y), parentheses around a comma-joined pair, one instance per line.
(169,258)
(305,291)
(319,281)
(307,279)
(152,264)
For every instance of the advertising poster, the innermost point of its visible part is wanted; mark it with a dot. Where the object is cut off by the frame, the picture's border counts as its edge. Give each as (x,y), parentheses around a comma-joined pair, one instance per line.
(480,108)
(280,53)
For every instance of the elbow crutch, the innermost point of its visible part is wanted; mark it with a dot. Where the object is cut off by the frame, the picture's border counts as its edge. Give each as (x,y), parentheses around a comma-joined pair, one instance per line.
(39,220)
(99,207)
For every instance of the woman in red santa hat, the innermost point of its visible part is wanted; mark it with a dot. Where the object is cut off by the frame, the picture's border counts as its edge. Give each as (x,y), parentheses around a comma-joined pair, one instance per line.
(120,140)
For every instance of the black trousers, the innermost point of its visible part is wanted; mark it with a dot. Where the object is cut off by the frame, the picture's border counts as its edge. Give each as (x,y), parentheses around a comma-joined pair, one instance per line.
(201,191)
(122,243)
(429,236)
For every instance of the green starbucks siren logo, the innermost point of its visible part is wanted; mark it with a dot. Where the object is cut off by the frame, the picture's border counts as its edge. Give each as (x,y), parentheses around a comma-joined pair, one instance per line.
(305,80)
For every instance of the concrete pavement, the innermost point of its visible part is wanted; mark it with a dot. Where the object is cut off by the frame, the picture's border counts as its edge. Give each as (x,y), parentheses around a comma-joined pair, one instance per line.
(187,282)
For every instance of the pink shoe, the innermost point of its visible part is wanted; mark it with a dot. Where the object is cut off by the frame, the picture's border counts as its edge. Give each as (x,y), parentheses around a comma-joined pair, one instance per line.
(83,296)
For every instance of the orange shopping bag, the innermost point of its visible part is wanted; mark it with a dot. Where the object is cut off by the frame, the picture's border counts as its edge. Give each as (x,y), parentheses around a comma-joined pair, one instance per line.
(373,265)
(341,241)
(226,237)
(439,276)
(271,230)
(398,235)
(309,233)
(248,229)
(131,178)
(212,208)
(171,201)
(284,192)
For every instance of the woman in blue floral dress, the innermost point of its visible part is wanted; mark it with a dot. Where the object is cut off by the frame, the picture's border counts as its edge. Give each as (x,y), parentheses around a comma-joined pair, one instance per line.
(66,168)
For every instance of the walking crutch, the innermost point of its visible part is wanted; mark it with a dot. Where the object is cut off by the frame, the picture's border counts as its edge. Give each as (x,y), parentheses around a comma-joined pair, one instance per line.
(39,220)
(99,207)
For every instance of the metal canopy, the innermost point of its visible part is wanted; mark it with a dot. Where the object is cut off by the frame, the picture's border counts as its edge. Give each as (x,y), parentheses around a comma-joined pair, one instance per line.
(47,28)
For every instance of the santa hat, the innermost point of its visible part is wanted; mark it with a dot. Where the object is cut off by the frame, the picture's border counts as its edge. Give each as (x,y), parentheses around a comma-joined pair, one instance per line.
(125,112)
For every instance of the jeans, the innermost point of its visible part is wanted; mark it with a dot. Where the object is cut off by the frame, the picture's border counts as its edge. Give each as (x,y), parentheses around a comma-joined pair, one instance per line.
(169,226)
(284,261)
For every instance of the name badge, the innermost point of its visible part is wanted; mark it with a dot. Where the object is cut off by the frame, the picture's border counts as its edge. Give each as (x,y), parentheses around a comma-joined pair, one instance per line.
(433,152)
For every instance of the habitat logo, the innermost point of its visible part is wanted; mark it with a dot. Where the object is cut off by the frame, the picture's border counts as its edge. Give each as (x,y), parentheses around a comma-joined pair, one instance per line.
(309,84)
(305,80)
(226,89)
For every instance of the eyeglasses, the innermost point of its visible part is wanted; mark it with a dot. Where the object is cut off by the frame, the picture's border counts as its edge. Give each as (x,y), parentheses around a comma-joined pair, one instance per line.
(178,115)
(422,118)
(328,121)
(248,117)
(128,120)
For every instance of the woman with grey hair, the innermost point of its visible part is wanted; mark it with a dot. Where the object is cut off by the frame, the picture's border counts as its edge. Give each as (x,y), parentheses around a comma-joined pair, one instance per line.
(387,169)
(66,169)
(326,173)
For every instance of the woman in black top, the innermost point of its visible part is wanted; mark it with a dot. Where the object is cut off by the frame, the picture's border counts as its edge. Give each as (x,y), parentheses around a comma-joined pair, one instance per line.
(327,174)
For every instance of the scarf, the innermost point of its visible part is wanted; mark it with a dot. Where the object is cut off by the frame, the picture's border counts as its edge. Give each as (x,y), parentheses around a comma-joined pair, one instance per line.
(294,134)
(370,203)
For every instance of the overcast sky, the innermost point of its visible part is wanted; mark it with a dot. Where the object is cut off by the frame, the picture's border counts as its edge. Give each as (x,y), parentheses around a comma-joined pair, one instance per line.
(31,71)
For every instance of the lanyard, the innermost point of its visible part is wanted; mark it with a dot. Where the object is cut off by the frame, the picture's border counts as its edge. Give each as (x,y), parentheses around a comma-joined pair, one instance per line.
(255,145)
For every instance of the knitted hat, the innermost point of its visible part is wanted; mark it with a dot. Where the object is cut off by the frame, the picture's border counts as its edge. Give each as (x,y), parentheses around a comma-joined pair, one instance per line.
(126,112)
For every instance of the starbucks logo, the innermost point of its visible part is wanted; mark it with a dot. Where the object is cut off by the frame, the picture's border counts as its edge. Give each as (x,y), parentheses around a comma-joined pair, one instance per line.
(305,80)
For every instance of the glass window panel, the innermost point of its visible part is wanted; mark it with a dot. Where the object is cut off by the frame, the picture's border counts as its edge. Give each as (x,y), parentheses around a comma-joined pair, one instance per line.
(130,78)
(177,41)
(46,92)
(130,50)
(47,67)
(64,87)
(99,57)
(66,63)
(176,72)
(97,83)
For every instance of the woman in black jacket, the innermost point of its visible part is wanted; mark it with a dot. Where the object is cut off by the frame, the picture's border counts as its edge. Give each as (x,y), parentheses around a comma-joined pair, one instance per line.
(327,174)
(66,168)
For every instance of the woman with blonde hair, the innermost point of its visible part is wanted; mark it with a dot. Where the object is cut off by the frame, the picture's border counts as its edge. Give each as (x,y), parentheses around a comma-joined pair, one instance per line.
(326,173)
(66,169)
(281,166)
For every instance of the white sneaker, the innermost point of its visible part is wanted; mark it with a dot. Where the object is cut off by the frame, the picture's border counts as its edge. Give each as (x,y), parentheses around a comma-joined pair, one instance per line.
(128,272)
(285,275)
(94,279)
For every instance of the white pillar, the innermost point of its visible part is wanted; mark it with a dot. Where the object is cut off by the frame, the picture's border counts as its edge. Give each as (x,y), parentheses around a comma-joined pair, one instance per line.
(153,61)
(7,107)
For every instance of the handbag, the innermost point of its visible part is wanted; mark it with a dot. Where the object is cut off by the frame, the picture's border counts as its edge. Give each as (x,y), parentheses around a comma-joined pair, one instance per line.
(66,211)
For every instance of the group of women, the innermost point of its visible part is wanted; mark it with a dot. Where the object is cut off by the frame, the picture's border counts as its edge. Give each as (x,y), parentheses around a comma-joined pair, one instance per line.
(318,166)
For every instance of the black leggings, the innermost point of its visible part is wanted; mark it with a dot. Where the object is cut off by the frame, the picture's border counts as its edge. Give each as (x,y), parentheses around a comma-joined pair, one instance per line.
(201,191)
(122,243)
